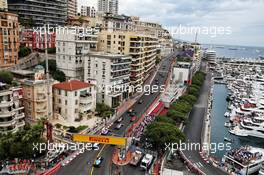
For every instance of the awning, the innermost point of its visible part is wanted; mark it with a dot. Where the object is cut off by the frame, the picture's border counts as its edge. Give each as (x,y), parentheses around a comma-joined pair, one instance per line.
(158,109)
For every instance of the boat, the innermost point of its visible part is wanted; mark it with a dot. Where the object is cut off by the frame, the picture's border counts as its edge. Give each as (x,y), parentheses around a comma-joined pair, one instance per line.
(228,124)
(227,114)
(245,160)
(228,139)
(261,171)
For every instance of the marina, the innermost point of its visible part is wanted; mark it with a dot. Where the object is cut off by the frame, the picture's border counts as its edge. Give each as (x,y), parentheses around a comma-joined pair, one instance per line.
(237,114)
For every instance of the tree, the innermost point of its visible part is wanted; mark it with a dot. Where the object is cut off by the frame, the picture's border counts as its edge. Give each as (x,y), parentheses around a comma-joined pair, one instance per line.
(24,51)
(6,77)
(52,65)
(191,99)
(193,91)
(164,119)
(177,116)
(103,110)
(160,134)
(59,75)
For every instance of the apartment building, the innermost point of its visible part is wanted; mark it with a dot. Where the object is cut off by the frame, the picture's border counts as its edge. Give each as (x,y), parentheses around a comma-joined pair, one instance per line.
(72,45)
(9,39)
(36,39)
(52,12)
(112,22)
(3,5)
(142,49)
(71,8)
(103,6)
(88,11)
(107,6)
(11,109)
(113,6)
(73,100)
(111,75)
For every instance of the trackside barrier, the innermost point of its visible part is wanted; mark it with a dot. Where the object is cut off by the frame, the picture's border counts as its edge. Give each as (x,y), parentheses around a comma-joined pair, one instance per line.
(53,170)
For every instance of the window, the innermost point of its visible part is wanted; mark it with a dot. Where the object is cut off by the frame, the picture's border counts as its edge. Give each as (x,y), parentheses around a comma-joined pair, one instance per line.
(66,102)
(59,101)
(66,93)
(76,102)
(76,111)
(76,93)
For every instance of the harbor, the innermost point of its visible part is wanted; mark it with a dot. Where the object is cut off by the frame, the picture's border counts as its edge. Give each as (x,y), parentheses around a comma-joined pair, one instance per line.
(237,110)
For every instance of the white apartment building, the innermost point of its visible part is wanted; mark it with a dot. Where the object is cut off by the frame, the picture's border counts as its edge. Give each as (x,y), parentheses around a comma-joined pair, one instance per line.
(182,72)
(11,109)
(111,75)
(73,100)
(88,11)
(72,45)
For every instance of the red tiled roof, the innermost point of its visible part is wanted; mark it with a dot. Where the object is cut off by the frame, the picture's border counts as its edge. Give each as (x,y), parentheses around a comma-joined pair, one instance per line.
(71,85)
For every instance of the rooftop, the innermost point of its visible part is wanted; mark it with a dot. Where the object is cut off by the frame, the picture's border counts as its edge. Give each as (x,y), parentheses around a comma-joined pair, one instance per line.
(71,85)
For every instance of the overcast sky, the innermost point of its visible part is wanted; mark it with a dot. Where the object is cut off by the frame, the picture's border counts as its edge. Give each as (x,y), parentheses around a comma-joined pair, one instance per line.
(245,18)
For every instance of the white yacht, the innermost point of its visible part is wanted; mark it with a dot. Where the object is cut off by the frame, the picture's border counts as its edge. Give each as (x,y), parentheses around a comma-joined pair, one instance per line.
(261,171)
(245,160)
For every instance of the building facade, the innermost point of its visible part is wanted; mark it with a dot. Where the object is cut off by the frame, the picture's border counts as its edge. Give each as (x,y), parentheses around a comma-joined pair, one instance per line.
(111,75)
(53,12)
(36,39)
(88,11)
(72,46)
(108,6)
(35,99)
(73,100)
(12,116)
(113,6)
(142,49)
(9,39)
(71,8)
(3,5)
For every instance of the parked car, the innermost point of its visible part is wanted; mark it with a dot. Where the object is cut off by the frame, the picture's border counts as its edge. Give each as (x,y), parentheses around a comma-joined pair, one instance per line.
(120,120)
(118,126)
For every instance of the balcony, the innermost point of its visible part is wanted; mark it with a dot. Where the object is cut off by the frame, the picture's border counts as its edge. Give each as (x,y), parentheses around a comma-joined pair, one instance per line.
(20,116)
(8,123)
(21,124)
(86,99)
(41,99)
(41,110)
(5,104)
(6,114)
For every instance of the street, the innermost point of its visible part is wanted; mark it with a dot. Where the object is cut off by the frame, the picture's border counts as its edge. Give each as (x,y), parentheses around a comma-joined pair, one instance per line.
(83,164)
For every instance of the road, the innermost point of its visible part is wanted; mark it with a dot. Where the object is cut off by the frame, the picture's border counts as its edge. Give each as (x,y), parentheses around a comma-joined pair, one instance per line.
(193,131)
(82,165)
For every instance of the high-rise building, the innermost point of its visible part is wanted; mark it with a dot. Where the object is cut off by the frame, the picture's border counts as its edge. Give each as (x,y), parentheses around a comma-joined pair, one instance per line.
(142,48)
(72,45)
(39,13)
(3,5)
(88,11)
(113,6)
(103,6)
(108,6)
(9,39)
(72,8)
(11,109)
(111,75)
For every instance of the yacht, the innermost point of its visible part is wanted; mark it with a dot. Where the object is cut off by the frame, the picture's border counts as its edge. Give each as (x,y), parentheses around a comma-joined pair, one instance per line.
(261,171)
(245,160)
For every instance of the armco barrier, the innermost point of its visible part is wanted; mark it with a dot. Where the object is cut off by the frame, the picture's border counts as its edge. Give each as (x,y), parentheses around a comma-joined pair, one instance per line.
(53,170)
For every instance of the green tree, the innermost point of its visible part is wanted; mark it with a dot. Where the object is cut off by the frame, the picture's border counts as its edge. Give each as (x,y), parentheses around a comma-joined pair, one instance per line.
(6,77)
(59,75)
(193,91)
(160,133)
(164,119)
(52,65)
(103,110)
(191,99)
(24,51)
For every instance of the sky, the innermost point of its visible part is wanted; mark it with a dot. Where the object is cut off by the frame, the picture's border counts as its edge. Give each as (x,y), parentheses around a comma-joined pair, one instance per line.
(233,22)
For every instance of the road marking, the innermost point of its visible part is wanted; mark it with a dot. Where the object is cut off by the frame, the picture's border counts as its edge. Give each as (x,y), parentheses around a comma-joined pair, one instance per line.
(100,152)
(201,165)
